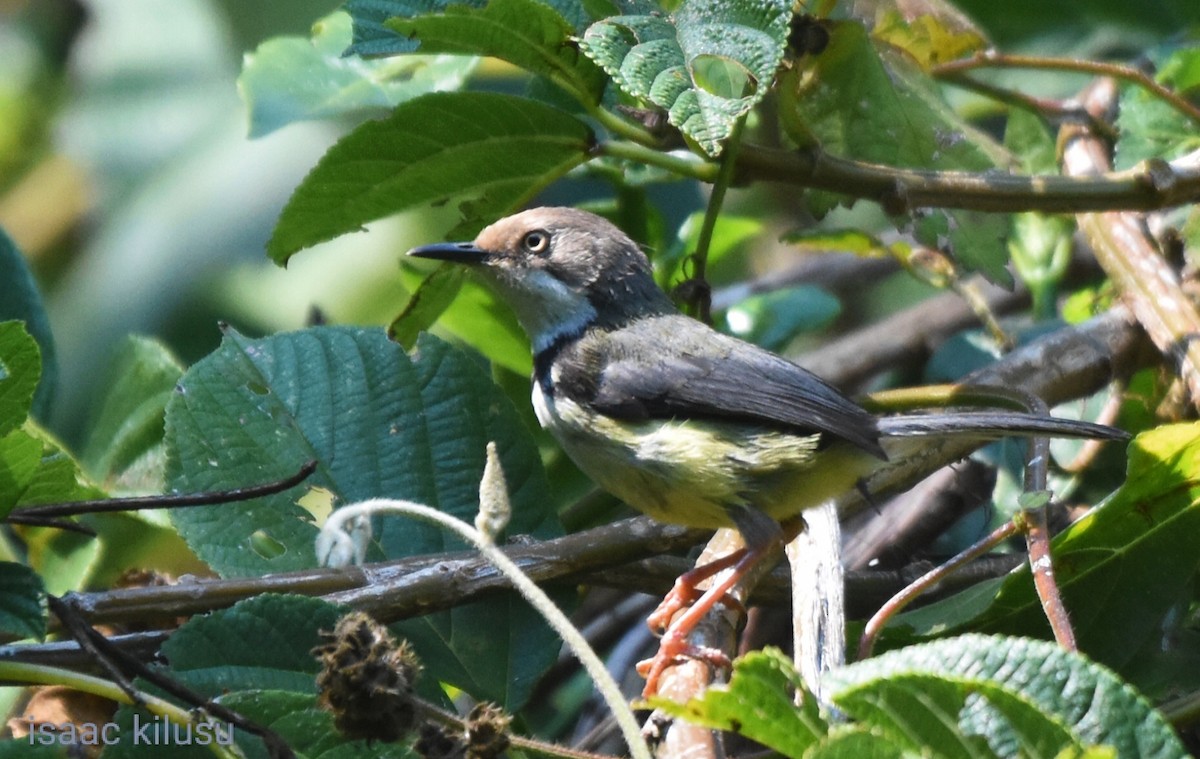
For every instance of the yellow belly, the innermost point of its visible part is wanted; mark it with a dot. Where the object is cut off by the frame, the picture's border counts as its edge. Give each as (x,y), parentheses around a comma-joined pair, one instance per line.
(694,472)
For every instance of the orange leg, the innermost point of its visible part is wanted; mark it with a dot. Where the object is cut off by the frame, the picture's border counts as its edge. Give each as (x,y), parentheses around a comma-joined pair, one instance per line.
(674,644)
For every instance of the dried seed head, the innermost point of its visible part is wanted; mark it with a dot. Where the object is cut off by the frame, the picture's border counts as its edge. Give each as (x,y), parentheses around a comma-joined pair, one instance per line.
(366,679)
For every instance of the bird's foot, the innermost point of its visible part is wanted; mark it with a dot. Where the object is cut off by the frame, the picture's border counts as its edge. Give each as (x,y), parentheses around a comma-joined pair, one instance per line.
(671,651)
(685,593)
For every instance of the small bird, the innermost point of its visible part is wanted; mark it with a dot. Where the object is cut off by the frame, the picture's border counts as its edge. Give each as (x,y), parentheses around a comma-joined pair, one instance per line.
(684,423)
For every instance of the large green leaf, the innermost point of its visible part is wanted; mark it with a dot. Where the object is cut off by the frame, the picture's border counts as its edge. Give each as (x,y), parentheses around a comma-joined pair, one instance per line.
(380,424)
(22,602)
(877,106)
(289,79)
(308,729)
(487,152)
(526,33)
(124,440)
(372,37)
(1037,699)
(1121,569)
(758,703)
(21,300)
(707,64)
(210,655)
(20,366)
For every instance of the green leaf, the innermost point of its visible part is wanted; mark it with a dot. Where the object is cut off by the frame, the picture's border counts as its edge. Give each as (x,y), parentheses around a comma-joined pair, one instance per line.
(856,742)
(22,602)
(488,152)
(478,317)
(1037,695)
(427,303)
(20,365)
(288,79)
(526,33)
(380,424)
(757,703)
(34,470)
(772,319)
(126,433)
(210,654)
(707,64)
(372,37)
(308,729)
(877,106)
(1127,563)
(1150,127)
(931,31)
(21,300)
(1027,137)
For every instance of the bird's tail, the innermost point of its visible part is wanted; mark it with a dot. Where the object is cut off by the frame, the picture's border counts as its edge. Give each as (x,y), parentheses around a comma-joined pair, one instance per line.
(993,424)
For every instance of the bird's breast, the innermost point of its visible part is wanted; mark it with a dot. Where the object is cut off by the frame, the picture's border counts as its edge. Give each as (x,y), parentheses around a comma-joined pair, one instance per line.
(690,472)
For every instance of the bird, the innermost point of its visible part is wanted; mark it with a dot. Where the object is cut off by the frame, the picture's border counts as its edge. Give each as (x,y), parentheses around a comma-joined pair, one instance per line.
(684,423)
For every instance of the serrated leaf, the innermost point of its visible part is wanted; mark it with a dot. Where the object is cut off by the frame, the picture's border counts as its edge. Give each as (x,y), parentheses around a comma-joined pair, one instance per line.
(308,729)
(1036,686)
(288,79)
(22,602)
(526,33)
(757,703)
(380,424)
(128,426)
(21,300)
(210,654)
(1148,126)
(1127,563)
(707,64)
(856,742)
(877,106)
(372,37)
(488,152)
(20,366)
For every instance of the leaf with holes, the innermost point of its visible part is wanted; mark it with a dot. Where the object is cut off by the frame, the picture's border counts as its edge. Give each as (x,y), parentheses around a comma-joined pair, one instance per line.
(380,423)
(707,64)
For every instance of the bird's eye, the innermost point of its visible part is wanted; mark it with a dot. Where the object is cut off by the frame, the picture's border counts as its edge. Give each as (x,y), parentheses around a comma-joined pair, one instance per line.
(536,241)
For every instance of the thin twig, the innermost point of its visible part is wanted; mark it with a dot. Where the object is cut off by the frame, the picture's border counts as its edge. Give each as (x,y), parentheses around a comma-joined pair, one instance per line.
(137,503)
(1122,72)
(122,665)
(876,623)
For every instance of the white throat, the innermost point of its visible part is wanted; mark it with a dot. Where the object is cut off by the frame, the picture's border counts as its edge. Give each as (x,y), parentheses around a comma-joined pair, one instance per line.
(547,308)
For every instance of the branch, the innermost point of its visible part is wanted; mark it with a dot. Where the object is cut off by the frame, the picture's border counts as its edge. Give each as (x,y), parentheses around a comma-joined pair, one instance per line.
(1130,257)
(1150,185)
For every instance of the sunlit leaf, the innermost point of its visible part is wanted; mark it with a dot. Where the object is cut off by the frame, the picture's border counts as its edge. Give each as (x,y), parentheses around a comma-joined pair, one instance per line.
(707,64)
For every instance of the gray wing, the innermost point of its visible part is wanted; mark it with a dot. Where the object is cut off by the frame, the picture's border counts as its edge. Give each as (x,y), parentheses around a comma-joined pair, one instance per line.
(674,367)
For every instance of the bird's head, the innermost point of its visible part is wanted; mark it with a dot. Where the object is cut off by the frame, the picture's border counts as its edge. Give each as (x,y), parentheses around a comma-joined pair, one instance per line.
(561,270)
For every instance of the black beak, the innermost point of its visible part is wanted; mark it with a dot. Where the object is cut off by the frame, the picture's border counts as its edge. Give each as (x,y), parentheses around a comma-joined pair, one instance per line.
(458,252)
